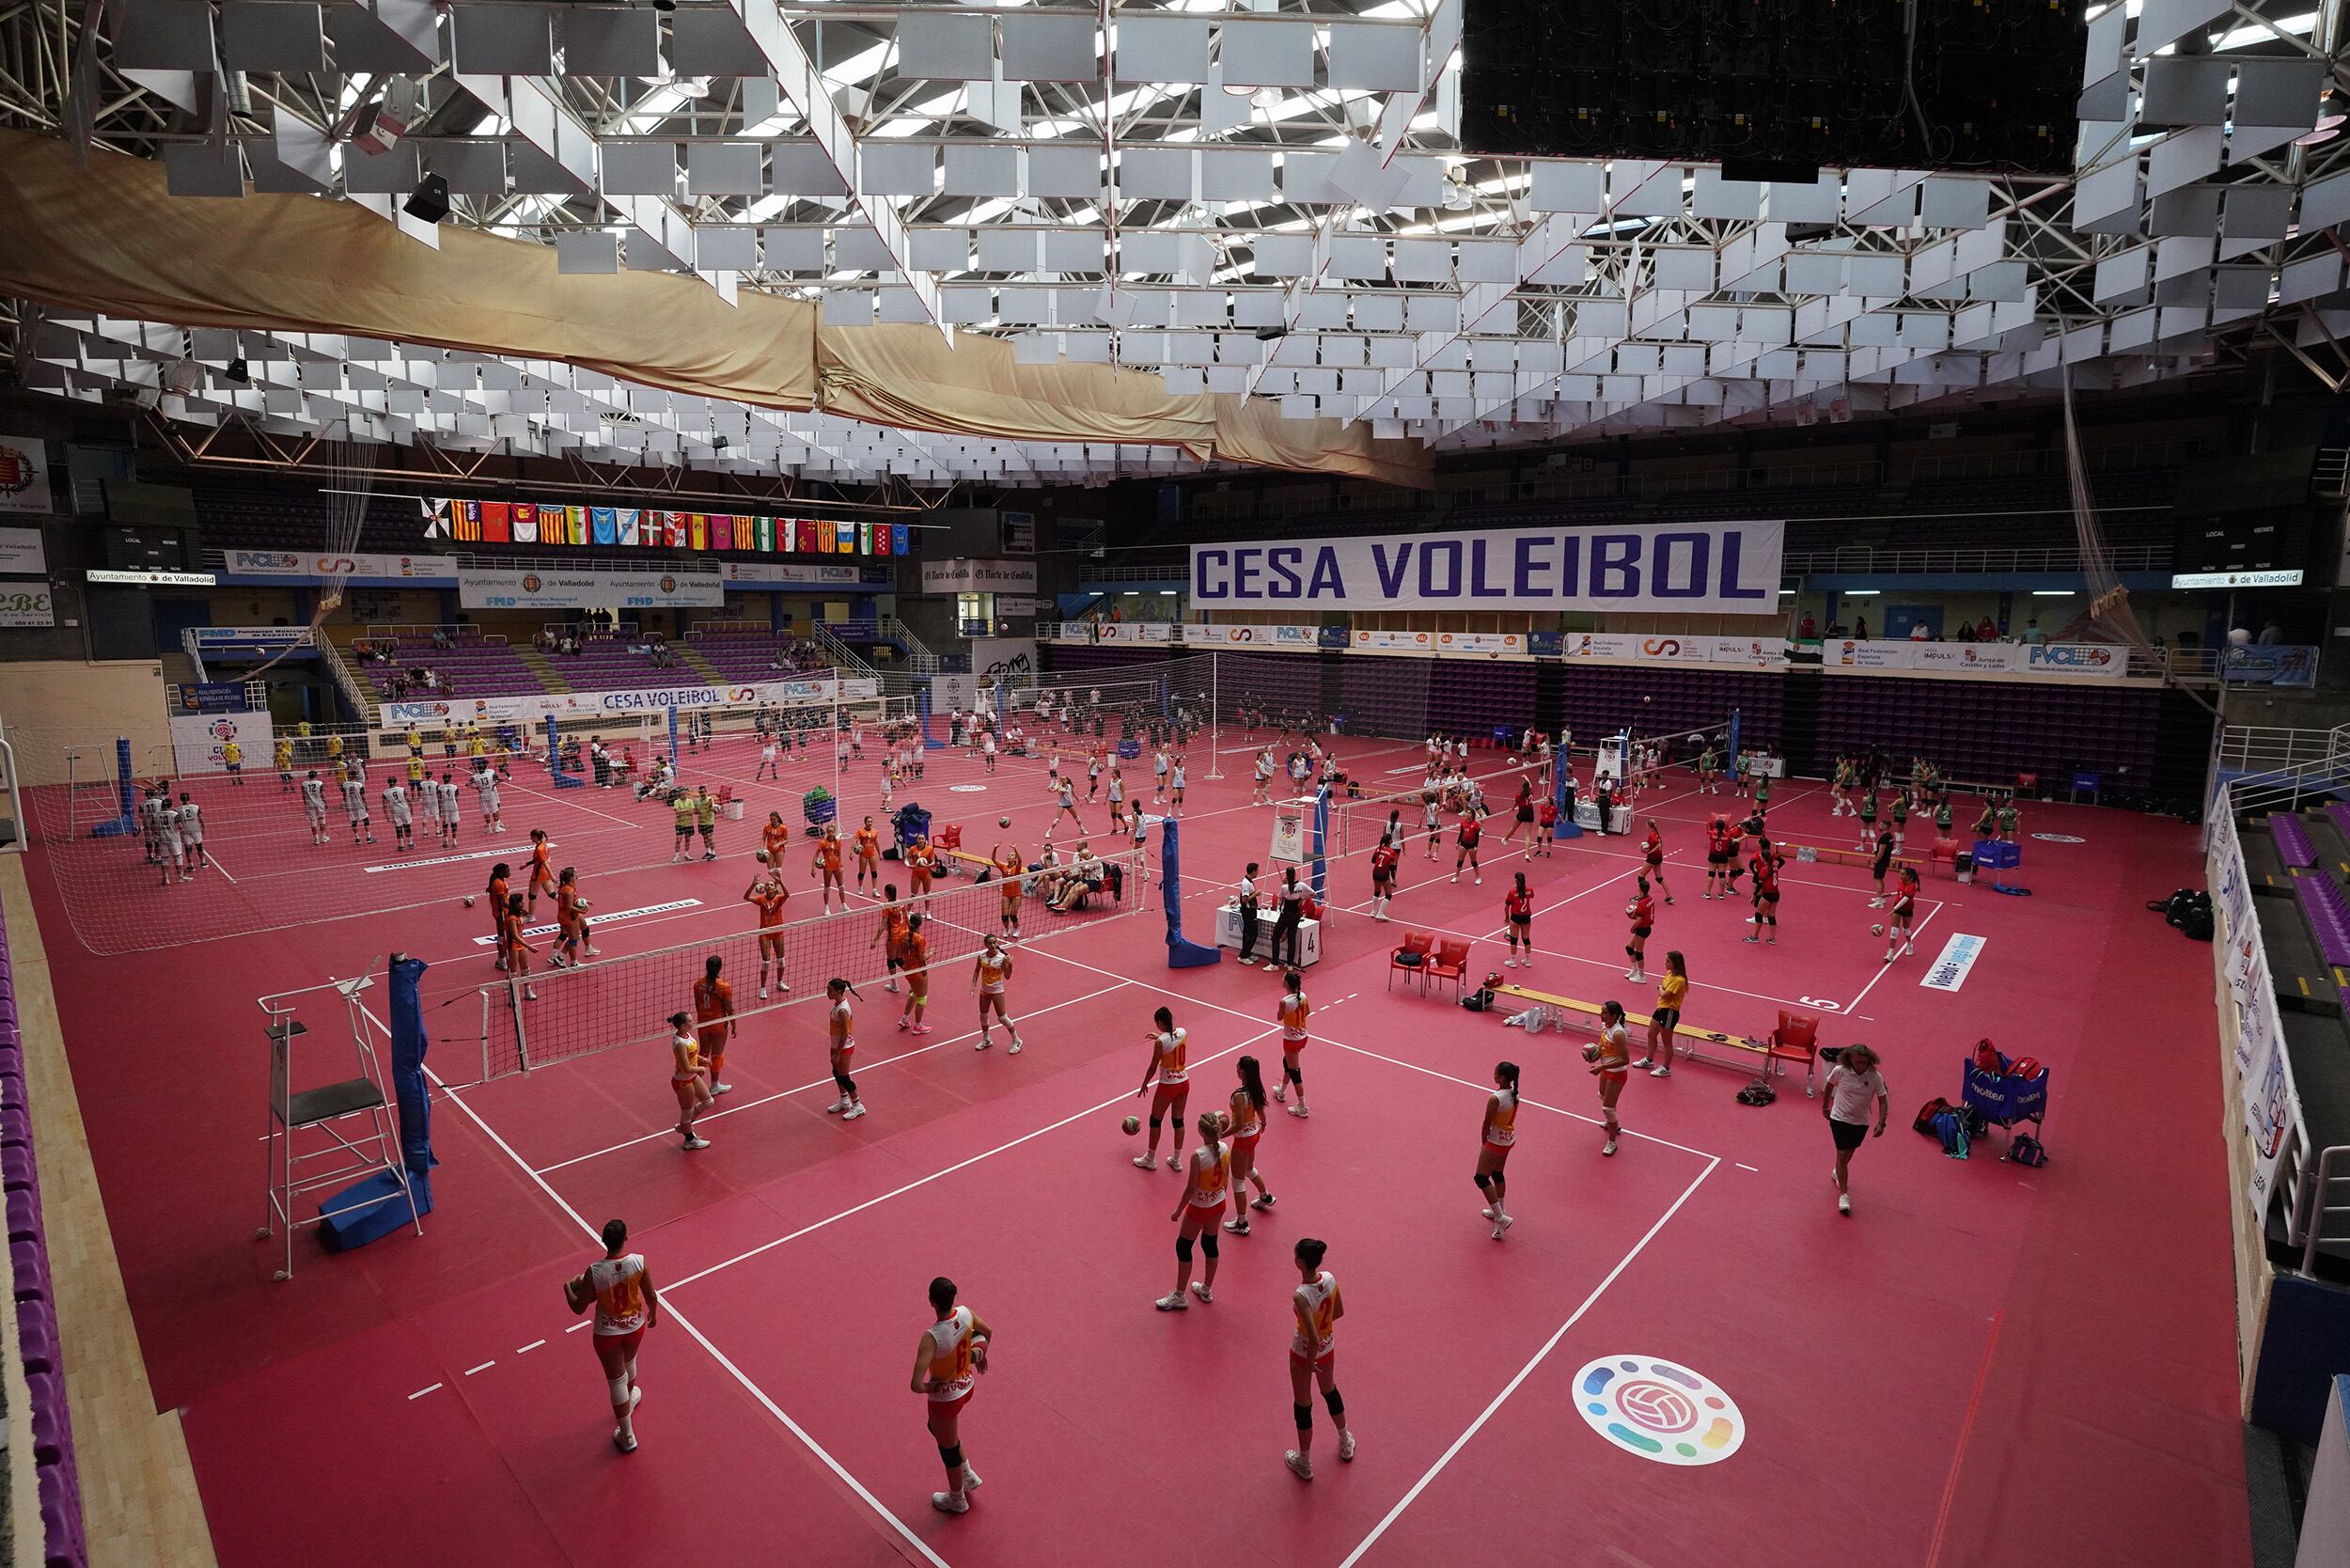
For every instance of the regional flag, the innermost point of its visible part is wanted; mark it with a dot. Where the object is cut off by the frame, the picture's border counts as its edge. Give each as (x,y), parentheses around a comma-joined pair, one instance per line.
(436,519)
(763,533)
(722,532)
(605,526)
(468,524)
(827,538)
(675,530)
(577,518)
(845,540)
(698,531)
(496,519)
(900,539)
(628,520)
(526,522)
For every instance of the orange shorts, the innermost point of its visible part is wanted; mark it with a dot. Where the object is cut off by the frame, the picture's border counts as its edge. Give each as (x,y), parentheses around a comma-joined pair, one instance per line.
(1199,1217)
(685,1096)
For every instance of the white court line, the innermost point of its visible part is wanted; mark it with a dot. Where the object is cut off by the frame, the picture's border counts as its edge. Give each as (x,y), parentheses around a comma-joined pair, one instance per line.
(818,1083)
(531,1346)
(212,863)
(677,1317)
(421,1392)
(484,1366)
(1525,1371)
(1885,969)
(575,805)
(958,1164)
(1743,1166)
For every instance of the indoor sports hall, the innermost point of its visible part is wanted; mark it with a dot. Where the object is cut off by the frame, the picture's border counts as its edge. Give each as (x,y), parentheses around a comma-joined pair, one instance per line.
(1325,784)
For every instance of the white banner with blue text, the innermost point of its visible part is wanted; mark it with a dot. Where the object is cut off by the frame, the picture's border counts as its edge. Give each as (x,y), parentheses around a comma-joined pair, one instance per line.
(1711,568)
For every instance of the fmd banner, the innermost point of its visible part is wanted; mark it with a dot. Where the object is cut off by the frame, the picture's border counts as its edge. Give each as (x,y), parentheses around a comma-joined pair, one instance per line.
(1717,568)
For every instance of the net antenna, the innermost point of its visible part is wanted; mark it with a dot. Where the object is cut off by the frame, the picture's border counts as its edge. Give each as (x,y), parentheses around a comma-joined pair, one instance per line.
(351,470)
(2110,619)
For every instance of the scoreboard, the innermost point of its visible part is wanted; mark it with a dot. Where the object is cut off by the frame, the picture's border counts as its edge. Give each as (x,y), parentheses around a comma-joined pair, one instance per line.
(2268,547)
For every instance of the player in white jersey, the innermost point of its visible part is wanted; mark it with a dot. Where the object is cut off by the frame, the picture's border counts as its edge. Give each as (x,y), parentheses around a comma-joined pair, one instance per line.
(192,832)
(429,804)
(314,806)
(987,749)
(1158,776)
(355,807)
(485,789)
(621,1287)
(151,809)
(170,849)
(767,768)
(989,972)
(446,791)
(403,821)
(949,1361)
(1264,778)
(1316,1309)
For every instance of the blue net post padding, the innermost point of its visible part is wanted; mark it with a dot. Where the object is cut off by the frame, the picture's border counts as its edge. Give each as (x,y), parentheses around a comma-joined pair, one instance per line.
(409,1043)
(126,796)
(1322,840)
(554,758)
(1182,952)
(1562,798)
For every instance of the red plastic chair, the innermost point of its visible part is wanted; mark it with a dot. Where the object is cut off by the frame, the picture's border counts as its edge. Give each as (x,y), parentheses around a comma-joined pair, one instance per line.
(1450,963)
(1797,1039)
(1418,942)
(951,836)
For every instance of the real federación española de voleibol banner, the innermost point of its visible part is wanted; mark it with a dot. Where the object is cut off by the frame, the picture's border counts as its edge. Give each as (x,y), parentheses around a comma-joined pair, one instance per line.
(1718,567)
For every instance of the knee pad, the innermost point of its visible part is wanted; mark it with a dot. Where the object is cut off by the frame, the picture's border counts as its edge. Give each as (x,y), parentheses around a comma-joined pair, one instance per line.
(1629,950)
(1183,1247)
(1207,1243)
(1156,1123)
(620,1388)
(848,1085)
(953,1456)
(1483,1181)
(1304,1415)
(1337,1405)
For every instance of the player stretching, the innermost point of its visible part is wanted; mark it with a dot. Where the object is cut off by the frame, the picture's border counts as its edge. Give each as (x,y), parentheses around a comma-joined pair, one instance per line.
(769,895)
(713,1021)
(1499,1135)
(685,1077)
(356,807)
(1166,1069)
(866,845)
(621,1287)
(1313,1355)
(989,972)
(827,862)
(1611,1064)
(1197,1211)
(1246,1124)
(1293,1011)
(918,969)
(840,1040)
(954,1351)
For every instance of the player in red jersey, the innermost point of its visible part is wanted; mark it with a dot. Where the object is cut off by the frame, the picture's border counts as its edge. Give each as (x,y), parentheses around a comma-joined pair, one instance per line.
(713,1020)
(1641,912)
(1382,864)
(1653,852)
(1517,924)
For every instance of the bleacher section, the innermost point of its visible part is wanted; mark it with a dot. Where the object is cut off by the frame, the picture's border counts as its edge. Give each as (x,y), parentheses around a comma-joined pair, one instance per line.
(1984,730)
(48,1424)
(287,518)
(752,655)
(2033,512)
(1603,699)
(472,666)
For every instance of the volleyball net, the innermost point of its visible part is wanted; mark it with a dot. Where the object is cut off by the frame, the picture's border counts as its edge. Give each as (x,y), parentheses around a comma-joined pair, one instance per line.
(609,1004)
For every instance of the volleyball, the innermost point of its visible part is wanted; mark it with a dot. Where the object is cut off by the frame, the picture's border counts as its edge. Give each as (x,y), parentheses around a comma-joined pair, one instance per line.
(1132,1125)
(760,855)
(578,1292)
(1003,821)
(1590,1052)
(469,901)
(1876,931)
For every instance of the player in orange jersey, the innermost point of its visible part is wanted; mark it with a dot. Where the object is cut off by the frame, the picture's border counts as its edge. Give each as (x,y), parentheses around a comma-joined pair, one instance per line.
(990,973)
(1313,1355)
(1246,1121)
(685,1077)
(1198,1211)
(1293,1011)
(891,933)
(769,895)
(867,844)
(827,861)
(539,873)
(921,859)
(840,1042)
(918,969)
(518,950)
(1011,883)
(953,1353)
(775,836)
(570,921)
(619,1285)
(713,1021)
(1166,1069)
(1497,1137)
(497,891)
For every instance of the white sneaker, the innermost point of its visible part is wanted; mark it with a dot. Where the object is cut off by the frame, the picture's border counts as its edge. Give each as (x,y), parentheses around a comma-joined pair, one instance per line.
(1299,1109)
(762,993)
(1346,1444)
(1843,1202)
(984,1042)
(1201,1291)
(1481,882)
(970,1480)
(697,1143)
(1502,1223)
(1610,1146)
(837,1108)
(1144,1162)
(1015,1045)
(1300,1465)
(1174,1164)
(1172,1303)
(950,1502)
(853,1112)
(1660,1072)
(716,1089)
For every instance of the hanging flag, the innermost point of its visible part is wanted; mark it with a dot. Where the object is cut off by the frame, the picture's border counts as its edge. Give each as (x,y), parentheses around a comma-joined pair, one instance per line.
(605,528)
(496,521)
(827,538)
(722,532)
(468,524)
(627,517)
(525,516)
(846,542)
(900,539)
(676,531)
(763,534)
(436,519)
(565,520)
(697,531)
(806,529)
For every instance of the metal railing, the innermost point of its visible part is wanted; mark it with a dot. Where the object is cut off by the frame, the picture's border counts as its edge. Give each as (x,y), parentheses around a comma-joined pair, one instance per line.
(459,632)
(920,658)
(353,692)
(1898,561)
(840,654)
(1173,571)
(195,655)
(2267,748)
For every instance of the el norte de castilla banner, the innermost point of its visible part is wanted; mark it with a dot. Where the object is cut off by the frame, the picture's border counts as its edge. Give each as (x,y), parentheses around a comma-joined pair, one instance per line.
(1716,568)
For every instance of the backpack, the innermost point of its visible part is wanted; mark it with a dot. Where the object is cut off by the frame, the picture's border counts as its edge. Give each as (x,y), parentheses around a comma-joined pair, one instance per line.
(1478,1001)
(1926,1113)
(2025,1067)
(1987,1057)
(1951,1127)
(1411,960)
(2197,925)
(1759,1093)
(2024,1149)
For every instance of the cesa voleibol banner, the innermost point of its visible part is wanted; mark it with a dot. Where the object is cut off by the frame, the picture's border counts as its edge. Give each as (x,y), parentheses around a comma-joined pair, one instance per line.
(1717,568)
(591,705)
(512,590)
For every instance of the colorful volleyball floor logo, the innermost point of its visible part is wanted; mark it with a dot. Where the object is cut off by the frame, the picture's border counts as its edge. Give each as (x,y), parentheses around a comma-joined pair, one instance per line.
(1658,1410)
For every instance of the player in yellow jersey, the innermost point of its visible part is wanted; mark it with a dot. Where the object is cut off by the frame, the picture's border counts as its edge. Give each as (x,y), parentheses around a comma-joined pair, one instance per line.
(1206,1181)
(949,1361)
(989,973)
(1498,1136)
(1293,1011)
(1316,1308)
(685,1077)
(620,1284)
(283,756)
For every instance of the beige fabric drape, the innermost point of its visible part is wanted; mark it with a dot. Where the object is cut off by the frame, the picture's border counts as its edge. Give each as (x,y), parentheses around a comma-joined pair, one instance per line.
(108,236)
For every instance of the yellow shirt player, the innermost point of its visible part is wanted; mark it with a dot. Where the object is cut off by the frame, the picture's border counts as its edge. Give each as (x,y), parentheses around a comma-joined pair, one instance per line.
(284,757)
(416,768)
(474,747)
(334,748)
(233,758)
(682,809)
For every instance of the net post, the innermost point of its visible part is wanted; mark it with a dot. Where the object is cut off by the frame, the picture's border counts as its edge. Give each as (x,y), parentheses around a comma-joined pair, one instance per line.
(484,1076)
(1734,737)
(1216,714)
(673,751)
(522,1041)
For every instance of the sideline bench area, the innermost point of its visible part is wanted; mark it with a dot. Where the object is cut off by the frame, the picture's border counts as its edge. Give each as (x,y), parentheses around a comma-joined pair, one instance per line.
(1788,1044)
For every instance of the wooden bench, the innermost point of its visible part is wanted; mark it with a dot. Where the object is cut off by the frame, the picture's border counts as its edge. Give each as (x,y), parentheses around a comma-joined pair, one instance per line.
(1694,1042)
(948,857)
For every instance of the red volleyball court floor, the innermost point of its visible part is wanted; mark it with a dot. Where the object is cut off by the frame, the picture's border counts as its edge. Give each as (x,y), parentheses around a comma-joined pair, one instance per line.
(1983,1359)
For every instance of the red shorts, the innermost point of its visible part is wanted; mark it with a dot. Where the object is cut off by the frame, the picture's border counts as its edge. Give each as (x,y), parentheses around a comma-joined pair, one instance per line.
(1322,1361)
(1615,1074)
(1201,1216)
(1499,1151)
(616,1350)
(686,1096)
(942,1410)
(1246,1148)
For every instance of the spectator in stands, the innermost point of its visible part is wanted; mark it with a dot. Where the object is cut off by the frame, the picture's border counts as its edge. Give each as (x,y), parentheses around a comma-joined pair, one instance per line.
(441,640)
(2271,633)
(1917,632)
(1809,630)
(544,641)
(1966,631)
(2031,630)
(1860,628)
(1985,631)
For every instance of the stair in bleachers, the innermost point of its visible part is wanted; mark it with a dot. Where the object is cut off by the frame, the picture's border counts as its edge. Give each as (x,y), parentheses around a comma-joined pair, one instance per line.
(1799,723)
(692,659)
(541,666)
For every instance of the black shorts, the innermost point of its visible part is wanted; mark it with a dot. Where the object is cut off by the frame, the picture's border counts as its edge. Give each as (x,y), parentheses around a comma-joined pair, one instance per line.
(1880,867)
(1382,881)
(1771,898)
(1667,1017)
(1526,813)
(1524,922)
(1716,857)
(1849,1135)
